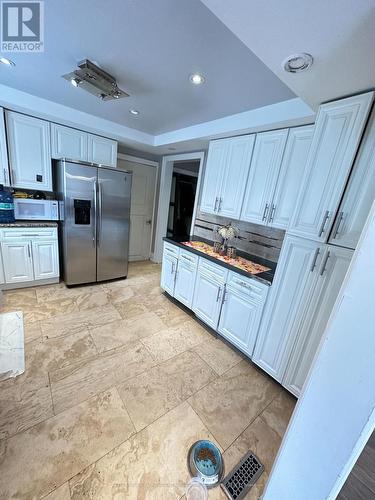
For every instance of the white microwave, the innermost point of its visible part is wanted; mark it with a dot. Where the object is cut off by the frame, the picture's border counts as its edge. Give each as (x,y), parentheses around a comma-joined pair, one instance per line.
(27,209)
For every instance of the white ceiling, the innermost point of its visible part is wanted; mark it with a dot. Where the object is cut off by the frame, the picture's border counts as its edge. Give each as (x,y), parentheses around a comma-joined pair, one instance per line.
(151,47)
(340,35)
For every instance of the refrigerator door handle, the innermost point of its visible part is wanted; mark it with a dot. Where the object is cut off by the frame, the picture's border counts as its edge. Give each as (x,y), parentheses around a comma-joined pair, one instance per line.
(99,214)
(94,238)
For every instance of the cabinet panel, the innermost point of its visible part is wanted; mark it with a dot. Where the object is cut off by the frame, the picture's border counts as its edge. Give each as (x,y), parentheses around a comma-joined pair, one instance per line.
(2,277)
(239,320)
(207,299)
(17,260)
(235,174)
(335,263)
(292,287)
(337,133)
(102,150)
(68,143)
(216,159)
(4,167)
(29,152)
(45,259)
(185,280)
(291,172)
(359,194)
(264,170)
(168,272)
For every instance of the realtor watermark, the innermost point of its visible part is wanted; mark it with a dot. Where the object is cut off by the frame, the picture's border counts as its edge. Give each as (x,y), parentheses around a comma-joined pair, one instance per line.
(22,26)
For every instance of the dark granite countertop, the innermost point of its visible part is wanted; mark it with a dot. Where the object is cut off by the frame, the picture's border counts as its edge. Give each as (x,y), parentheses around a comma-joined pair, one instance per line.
(29,223)
(265,277)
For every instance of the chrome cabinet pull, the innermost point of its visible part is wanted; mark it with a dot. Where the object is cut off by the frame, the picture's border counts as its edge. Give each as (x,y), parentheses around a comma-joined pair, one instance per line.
(225,295)
(272,214)
(313,265)
(218,294)
(324,266)
(216,200)
(28,250)
(243,283)
(172,271)
(187,258)
(265,212)
(326,217)
(339,220)
(220,202)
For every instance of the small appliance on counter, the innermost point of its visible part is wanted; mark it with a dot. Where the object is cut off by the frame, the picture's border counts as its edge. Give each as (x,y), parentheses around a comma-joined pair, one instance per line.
(6,206)
(36,209)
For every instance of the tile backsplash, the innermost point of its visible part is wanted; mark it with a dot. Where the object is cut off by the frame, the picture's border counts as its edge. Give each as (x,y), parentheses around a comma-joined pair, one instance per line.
(254,239)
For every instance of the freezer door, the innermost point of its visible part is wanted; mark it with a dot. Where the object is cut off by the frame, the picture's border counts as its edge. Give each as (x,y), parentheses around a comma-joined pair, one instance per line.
(79,225)
(114,189)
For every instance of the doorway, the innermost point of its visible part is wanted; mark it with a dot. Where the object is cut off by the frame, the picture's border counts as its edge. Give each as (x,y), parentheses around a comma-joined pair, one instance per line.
(142,204)
(175,164)
(182,198)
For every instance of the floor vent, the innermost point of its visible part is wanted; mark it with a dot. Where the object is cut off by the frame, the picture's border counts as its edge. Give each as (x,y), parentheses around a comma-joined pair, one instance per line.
(242,477)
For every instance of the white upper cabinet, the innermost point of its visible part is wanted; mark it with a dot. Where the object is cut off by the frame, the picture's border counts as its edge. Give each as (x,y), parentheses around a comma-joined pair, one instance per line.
(68,143)
(102,150)
(337,133)
(227,168)
(213,176)
(359,194)
(291,172)
(29,152)
(234,175)
(332,271)
(4,167)
(264,171)
(295,277)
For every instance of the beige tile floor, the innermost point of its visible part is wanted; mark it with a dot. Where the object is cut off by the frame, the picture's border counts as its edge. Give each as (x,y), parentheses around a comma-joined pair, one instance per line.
(119,383)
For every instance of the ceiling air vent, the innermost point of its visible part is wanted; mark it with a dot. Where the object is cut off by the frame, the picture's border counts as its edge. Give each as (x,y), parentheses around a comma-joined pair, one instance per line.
(96,81)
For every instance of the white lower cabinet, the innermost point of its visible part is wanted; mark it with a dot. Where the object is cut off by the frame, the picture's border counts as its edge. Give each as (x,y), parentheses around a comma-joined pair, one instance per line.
(18,264)
(29,255)
(168,273)
(208,293)
(335,263)
(185,278)
(45,259)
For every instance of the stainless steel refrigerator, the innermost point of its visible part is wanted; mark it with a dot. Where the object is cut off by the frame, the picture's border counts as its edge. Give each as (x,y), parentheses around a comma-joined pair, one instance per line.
(95,218)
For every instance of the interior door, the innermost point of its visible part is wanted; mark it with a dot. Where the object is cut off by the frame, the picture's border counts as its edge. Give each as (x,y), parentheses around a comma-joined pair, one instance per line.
(79,225)
(141,208)
(113,209)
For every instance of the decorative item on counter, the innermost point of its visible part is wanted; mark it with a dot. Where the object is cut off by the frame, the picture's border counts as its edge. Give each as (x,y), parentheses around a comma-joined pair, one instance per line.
(232,252)
(6,206)
(20,194)
(217,246)
(228,233)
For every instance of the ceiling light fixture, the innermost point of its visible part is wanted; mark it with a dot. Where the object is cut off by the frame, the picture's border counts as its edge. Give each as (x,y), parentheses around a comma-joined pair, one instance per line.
(298,62)
(197,79)
(96,81)
(7,62)
(75,82)
(134,112)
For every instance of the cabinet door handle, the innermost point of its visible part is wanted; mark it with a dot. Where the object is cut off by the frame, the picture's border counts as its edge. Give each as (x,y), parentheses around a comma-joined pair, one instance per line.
(339,220)
(243,283)
(218,294)
(317,252)
(216,200)
(272,214)
(225,295)
(187,258)
(172,271)
(265,212)
(28,250)
(220,202)
(324,266)
(326,217)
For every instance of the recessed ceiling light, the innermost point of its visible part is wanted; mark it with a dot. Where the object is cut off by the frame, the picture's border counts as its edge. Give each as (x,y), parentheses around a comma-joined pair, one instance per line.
(134,112)
(197,79)
(298,62)
(7,62)
(75,82)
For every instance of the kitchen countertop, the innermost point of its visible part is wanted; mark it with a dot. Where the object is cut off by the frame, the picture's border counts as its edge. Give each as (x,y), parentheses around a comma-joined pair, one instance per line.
(265,277)
(29,223)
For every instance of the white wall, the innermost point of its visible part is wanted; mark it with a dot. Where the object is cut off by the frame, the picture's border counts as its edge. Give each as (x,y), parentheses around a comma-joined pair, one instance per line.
(330,425)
